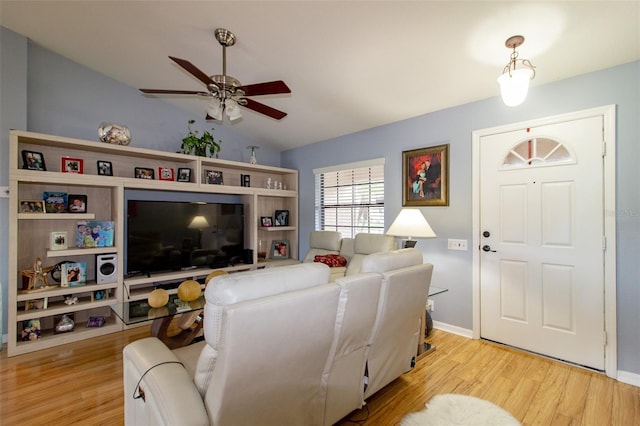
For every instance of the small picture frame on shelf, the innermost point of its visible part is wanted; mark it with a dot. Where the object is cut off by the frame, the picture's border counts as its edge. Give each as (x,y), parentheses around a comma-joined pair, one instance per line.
(105,168)
(94,233)
(214,177)
(144,173)
(58,240)
(266,221)
(282,218)
(73,274)
(280,249)
(72,165)
(100,295)
(184,174)
(36,304)
(32,206)
(77,203)
(245,180)
(30,330)
(55,202)
(165,173)
(32,160)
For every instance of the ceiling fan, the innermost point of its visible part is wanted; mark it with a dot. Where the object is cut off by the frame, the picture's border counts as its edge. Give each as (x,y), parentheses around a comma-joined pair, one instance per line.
(226,92)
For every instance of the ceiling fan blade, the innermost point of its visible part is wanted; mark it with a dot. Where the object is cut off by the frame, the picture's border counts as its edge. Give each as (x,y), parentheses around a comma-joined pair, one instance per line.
(173,92)
(268,88)
(263,109)
(193,70)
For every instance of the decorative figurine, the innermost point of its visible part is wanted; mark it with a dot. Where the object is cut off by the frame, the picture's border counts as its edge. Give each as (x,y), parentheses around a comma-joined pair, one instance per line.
(37,276)
(268,183)
(253,159)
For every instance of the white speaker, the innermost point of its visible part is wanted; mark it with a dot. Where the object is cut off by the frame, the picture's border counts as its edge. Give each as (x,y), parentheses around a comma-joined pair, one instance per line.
(106,268)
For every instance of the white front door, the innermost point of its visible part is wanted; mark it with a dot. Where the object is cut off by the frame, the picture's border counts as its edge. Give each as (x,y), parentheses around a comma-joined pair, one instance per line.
(541,237)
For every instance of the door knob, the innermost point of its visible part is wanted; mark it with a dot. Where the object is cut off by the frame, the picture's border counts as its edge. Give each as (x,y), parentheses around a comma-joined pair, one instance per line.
(486,234)
(487,248)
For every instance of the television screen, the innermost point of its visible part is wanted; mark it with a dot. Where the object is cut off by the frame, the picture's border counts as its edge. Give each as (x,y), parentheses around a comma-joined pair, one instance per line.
(174,235)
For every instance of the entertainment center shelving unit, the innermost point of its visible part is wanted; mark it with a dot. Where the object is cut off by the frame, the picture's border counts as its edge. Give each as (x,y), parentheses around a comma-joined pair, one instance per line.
(29,233)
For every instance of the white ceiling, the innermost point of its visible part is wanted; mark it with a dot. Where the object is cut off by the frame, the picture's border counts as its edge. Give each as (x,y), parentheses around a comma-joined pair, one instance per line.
(351,65)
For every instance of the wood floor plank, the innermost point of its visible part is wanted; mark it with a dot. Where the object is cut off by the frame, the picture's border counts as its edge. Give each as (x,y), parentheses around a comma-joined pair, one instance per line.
(81,384)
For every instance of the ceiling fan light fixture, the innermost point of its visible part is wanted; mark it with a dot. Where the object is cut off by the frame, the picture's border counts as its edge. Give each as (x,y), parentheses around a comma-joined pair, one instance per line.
(514,83)
(232,109)
(214,110)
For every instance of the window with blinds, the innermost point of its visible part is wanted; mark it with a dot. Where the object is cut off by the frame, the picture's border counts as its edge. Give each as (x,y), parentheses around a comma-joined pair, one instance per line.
(350,198)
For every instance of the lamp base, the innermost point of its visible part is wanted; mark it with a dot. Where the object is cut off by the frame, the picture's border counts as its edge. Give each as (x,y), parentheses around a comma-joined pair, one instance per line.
(410,243)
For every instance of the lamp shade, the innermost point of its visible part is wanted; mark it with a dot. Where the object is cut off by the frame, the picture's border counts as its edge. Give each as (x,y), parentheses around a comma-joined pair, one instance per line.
(411,223)
(198,222)
(232,109)
(514,86)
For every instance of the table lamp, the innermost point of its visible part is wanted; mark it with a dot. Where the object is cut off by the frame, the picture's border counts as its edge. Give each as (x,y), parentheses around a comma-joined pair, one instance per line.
(411,223)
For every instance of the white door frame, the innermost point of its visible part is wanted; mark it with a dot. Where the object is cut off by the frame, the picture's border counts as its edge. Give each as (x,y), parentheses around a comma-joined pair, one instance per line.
(609,147)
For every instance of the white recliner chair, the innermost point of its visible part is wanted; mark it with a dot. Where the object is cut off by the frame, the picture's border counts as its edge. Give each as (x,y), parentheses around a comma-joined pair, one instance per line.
(266,347)
(321,243)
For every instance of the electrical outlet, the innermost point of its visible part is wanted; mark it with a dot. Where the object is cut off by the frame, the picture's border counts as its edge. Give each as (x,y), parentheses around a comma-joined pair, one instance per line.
(430,305)
(457,244)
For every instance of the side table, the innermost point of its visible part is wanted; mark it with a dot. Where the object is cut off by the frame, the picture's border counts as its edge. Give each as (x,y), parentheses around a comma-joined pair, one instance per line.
(425,347)
(190,323)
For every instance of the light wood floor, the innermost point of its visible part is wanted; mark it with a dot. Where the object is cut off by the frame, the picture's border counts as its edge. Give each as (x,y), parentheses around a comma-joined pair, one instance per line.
(81,384)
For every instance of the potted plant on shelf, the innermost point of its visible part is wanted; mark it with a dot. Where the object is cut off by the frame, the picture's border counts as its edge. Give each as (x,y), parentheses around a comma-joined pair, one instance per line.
(203,146)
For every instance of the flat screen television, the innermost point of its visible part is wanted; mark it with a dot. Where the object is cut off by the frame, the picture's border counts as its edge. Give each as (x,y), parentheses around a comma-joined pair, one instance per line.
(177,235)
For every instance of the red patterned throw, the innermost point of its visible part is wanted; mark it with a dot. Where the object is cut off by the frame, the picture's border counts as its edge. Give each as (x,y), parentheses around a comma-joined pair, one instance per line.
(331,260)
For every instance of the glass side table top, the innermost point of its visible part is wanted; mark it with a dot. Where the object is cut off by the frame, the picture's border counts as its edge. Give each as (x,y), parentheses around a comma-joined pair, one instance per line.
(436,290)
(139,310)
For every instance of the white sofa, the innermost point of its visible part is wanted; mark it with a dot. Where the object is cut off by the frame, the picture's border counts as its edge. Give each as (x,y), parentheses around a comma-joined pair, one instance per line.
(284,346)
(352,249)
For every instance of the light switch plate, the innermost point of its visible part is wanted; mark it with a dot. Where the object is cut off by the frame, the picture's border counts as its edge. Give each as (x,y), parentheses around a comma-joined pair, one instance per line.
(457,244)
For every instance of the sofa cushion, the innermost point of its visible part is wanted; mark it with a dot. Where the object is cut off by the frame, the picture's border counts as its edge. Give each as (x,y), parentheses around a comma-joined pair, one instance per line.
(331,260)
(327,240)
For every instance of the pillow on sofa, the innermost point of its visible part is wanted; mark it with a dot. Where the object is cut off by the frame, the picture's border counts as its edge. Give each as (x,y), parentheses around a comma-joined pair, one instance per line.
(331,260)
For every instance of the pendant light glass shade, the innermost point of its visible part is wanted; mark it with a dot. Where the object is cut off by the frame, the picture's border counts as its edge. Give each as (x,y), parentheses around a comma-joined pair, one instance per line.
(514,86)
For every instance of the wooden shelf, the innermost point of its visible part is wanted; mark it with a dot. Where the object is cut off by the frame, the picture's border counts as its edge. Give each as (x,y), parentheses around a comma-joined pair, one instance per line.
(106,201)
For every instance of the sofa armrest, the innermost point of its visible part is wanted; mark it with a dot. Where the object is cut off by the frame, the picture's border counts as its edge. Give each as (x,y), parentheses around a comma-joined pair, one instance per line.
(170,396)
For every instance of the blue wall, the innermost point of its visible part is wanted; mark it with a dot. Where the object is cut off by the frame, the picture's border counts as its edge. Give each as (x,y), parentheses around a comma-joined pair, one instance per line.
(454,126)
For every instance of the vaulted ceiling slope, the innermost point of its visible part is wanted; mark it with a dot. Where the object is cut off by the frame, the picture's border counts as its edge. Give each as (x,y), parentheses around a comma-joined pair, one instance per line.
(351,65)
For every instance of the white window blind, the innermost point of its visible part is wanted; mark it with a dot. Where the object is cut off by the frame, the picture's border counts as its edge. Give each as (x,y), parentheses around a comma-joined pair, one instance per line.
(350,198)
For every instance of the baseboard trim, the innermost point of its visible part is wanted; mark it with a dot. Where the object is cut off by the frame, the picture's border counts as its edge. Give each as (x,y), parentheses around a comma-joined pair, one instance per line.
(629,378)
(453,329)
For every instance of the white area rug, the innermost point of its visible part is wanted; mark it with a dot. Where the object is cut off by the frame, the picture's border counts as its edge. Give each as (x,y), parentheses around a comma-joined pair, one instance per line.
(459,410)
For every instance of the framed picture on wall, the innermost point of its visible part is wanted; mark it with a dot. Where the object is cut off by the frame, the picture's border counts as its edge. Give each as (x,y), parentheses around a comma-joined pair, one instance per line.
(425,176)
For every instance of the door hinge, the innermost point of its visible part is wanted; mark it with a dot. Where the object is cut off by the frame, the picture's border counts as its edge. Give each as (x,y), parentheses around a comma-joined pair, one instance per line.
(604,148)
(604,243)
